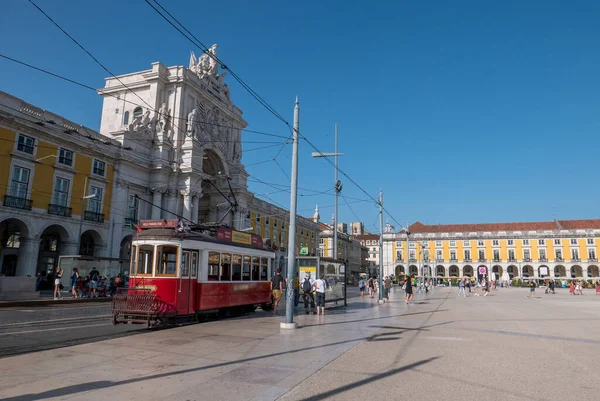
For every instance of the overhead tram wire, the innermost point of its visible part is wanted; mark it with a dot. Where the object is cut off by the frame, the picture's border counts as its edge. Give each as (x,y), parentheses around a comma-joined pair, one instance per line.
(108,71)
(204,48)
(129,101)
(246,86)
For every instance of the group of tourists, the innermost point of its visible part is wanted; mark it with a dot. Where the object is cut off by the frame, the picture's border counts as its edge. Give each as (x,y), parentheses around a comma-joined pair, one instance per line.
(372,286)
(311,289)
(92,285)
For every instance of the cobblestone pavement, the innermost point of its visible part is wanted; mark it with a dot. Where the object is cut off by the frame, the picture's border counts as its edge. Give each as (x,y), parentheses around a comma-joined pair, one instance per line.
(501,347)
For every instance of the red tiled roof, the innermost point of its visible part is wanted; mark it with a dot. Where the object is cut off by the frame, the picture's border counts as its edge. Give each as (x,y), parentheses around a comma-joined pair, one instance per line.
(419,227)
(366,236)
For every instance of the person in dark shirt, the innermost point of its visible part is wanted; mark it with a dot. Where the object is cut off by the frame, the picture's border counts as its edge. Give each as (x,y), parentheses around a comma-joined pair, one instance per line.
(409,290)
(276,289)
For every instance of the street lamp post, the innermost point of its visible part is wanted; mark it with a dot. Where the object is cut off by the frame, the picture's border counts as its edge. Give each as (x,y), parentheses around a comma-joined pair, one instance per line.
(337,187)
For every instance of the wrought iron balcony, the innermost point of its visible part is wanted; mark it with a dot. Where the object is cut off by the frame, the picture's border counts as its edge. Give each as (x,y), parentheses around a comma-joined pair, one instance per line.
(543,259)
(93,216)
(468,260)
(592,260)
(482,260)
(412,260)
(439,260)
(17,203)
(453,260)
(575,260)
(526,260)
(496,259)
(59,210)
(559,259)
(512,259)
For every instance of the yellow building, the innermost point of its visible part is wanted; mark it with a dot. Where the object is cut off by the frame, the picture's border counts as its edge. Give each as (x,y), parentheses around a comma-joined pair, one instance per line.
(47,166)
(501,251)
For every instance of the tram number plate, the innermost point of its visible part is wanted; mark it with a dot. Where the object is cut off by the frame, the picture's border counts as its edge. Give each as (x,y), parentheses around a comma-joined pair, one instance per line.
(241,287)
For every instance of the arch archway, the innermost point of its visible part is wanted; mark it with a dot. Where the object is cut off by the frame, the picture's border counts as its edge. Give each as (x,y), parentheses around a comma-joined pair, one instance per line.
(527,271)
(399,270)
(213,166)
(560,271)
(497,272)
(440,271)
(89,243)
(330,269)
(413,270)
(12,231)
(513,271)
(125,248)
(543,271)
(468,271)
(52,241)
(454,271)
(592,271)
(576,271)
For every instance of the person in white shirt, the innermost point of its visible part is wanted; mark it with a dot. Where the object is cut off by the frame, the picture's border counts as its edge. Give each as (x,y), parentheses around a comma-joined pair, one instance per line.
(320,286)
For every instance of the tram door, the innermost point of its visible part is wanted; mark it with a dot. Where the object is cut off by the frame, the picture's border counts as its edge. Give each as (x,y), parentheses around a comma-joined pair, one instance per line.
(186,297)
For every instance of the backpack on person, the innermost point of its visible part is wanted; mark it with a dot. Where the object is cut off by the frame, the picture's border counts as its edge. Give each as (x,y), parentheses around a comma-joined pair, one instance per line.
(306,286)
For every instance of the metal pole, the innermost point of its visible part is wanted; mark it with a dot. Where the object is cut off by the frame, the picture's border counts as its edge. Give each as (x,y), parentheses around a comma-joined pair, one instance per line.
(291,267)
(380,246)
(81,217)
(335,203)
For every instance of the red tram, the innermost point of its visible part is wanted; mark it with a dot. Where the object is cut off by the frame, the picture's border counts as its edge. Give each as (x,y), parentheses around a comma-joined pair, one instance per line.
(178,274)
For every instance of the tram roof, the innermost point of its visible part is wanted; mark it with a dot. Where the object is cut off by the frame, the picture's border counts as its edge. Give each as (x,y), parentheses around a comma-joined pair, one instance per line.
(165,234)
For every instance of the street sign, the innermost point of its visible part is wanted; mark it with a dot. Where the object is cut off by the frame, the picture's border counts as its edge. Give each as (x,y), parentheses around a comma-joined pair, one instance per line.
(304,251)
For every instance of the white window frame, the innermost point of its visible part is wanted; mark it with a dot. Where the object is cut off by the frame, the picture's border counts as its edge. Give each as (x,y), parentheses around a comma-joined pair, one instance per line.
(466,243)
(510,242)
(495,242)
(542,242)
(438,244)
(525,242)
(480,242)
(590,241)
(65,177)
(573,241)
(61,149)
(23,164)
(33,146)
(528,256)
(94,160)
(452,244)
(557,242)
(100,186)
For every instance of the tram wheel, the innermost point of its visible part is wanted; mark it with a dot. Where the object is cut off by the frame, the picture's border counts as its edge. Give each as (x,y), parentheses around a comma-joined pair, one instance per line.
(266,307)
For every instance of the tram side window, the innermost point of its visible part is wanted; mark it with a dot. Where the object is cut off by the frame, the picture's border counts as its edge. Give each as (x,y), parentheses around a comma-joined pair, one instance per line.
(167,260)
(264,267)
(195,264)
(255,268)
(236,268)
(214,261)
(226,267)
(246,269)
(145,259)
(185,264)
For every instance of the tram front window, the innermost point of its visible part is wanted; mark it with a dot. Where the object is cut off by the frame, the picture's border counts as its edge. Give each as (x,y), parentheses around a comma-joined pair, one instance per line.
(236,268)
(255,268)
(214,260)
(226,267)
(145,260)
(167,260)
(246,269)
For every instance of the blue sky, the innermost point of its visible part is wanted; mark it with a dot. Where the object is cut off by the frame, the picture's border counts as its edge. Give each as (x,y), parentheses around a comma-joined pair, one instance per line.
(462,111)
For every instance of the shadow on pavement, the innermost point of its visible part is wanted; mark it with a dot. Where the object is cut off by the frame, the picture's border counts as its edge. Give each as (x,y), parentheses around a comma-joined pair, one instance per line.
(375,318)
(369,380)
(97,385)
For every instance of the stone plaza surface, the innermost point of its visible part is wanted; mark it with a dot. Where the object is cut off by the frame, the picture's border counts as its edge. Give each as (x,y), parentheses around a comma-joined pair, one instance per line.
(501,347)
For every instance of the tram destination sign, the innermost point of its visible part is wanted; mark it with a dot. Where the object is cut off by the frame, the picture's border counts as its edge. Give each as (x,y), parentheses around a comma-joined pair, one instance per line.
(229,235)
(158,223)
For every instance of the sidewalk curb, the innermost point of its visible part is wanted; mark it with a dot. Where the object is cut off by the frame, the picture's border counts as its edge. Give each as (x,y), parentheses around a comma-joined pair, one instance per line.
(48,302)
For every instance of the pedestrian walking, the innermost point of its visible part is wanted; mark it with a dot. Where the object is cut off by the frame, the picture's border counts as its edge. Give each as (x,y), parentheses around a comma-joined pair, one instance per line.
(74,278)
(320,286)
(58,283)
(572,288)
(409,291)
(307,296)
(361,286)
(371,284)
(388,287)
(597,287)
(276,289)
(531,289)
(461,288)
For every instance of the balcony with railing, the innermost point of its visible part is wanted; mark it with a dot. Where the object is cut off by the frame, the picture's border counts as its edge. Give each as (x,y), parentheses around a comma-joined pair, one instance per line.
(59,210)
(512,259)
(412,260)
(497,260)
(592,260)
(575,260)
(482,260)
(526,259)
(93,216)
(17,202)
(453,260)
(543,259)
(559,259)
(467,260)
(439,260)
